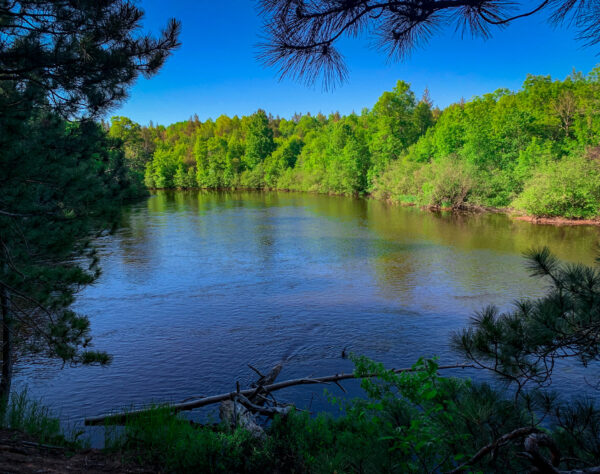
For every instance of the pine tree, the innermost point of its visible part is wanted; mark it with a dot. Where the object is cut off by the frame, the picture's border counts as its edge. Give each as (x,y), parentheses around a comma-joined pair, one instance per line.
(523,346)
(302,35)
(63,182)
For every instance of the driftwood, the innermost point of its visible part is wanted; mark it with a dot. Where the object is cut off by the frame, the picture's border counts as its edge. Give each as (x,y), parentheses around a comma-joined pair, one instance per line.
(269,412)
(235,415)
(242,411)
(258,396)
(250,394)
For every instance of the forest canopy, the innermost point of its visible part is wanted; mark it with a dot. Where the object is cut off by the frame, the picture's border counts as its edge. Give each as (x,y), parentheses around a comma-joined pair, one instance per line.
(535,150)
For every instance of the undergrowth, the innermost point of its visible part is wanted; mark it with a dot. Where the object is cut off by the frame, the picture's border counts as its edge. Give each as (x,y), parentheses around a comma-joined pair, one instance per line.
(31,417)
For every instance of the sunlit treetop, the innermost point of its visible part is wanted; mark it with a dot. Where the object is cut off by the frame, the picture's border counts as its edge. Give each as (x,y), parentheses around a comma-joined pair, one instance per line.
(301,35)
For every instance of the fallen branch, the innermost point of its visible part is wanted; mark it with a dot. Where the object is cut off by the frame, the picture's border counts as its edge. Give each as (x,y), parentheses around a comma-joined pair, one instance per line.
(261,410)
(532,445)
(262,382)
(120,418)
(518,433)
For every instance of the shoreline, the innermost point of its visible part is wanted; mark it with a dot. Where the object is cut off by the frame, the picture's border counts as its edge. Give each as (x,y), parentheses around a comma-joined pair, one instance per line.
(557,221)
(464,208)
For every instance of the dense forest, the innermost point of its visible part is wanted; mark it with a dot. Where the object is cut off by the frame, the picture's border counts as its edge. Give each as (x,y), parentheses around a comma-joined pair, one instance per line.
(534,150)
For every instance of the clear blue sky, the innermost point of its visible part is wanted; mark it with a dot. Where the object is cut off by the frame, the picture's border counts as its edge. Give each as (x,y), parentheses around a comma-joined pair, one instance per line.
(215,71)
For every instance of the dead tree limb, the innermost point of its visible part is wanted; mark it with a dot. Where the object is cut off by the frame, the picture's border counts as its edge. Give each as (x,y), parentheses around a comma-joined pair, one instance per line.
(261,410)
(518,433)
(262,382)
(235,414)
(120,418)
(532,445)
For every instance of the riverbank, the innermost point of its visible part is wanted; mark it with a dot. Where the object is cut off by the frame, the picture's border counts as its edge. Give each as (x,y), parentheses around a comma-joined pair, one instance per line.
(21,453)
(463,208)
(557,221)
(513,214)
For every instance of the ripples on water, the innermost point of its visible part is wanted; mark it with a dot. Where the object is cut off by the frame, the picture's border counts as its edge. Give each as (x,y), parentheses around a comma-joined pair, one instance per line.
(198,284)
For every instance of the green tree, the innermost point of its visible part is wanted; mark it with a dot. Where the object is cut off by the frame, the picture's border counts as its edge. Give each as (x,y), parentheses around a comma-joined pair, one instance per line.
(395,126)
(61,181)
(259,140)
(137,146)
(71,186)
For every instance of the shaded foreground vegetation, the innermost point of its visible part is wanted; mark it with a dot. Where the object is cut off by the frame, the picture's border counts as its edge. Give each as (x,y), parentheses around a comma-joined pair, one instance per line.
(534,150)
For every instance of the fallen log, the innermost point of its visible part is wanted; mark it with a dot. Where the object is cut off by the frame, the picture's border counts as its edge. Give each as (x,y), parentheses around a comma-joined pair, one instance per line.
(120,418)
(265,411)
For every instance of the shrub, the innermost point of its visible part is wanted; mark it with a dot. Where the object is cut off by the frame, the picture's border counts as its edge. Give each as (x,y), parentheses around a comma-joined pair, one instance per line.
(569,188)
(449,184)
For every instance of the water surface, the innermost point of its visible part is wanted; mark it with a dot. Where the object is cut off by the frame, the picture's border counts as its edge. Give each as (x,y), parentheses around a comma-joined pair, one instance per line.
(198,284)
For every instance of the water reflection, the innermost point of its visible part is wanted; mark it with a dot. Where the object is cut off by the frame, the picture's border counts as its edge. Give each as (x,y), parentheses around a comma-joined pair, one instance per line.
(198,284)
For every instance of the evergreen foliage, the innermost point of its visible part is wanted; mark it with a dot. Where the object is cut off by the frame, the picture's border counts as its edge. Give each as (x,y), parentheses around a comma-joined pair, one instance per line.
(301,36)
(83,55)
(63,182)
(524,345)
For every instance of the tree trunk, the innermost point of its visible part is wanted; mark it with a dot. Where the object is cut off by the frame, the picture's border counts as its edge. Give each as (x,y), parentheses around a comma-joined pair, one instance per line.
(7,352)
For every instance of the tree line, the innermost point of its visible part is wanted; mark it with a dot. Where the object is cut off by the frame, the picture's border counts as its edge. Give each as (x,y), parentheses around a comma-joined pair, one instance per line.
(535,150)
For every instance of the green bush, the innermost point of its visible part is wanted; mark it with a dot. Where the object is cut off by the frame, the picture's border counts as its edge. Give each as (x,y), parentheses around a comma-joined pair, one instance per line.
(449,183)
(568,188)
(401,182)
(253,179)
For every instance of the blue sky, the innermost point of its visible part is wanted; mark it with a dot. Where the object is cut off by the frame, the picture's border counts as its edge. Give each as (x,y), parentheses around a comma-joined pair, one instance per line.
(215,71)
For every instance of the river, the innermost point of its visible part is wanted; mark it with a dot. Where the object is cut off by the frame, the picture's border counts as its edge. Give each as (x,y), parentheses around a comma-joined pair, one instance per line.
(196,285)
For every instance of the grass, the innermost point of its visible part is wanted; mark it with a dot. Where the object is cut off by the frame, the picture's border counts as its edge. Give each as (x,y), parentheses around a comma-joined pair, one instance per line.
(33,418)
(158,437)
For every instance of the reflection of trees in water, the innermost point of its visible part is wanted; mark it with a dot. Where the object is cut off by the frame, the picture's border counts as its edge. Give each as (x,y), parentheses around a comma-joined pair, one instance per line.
(483,231)
(469,259)
(133,239)
(341,208)
(457,254)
